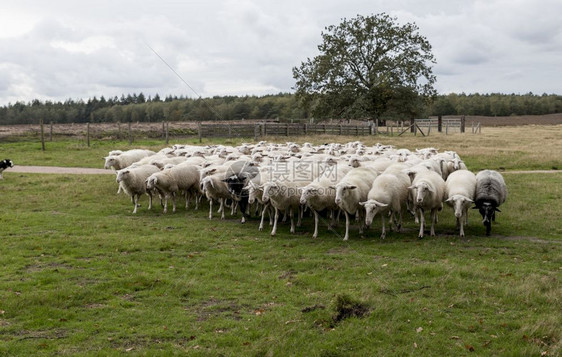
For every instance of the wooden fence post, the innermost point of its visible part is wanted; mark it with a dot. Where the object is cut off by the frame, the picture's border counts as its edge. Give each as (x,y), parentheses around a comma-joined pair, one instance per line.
(51,133)
(167,133)
(88,133)
(199,131)
(130,134)
(439,124)
(463,121)
(42,135)
(305,129)
(118,130)
(163,130)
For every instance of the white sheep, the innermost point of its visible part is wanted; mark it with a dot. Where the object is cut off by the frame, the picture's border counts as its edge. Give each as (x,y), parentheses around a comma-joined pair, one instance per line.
(388,194)
(126,158)
(283,195)
(352,189)
(216,189)
(132,181)
(179,178)
(428,189)
(459,194)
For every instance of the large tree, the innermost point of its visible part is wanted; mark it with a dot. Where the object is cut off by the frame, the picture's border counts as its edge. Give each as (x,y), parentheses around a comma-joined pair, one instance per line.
(365,65)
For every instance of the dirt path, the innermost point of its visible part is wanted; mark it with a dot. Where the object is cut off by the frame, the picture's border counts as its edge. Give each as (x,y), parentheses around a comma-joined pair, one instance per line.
(59,170)
(90,171)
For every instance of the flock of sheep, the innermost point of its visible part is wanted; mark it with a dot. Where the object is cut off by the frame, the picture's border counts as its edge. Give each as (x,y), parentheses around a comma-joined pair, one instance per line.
(287,179)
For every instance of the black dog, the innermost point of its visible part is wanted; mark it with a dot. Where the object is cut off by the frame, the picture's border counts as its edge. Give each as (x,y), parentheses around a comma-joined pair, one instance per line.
(236,185)
(4,164)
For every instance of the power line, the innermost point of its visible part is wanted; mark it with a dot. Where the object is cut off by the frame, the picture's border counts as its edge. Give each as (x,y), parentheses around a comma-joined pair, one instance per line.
(185,82)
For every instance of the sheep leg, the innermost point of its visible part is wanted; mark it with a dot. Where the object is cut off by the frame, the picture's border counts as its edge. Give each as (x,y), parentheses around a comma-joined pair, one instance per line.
(315,234)
(233,208)
(149,199)
(211,209)
(274,230)
(461,227)
(271,213)
(222,208)
(433,221)
(166,203)
(383,233)
(198,199)
(346,236)
(173,202)
(361,218)
(265,207)
(135,198)
(421,221)
(399,226)
(291,214)
(300,214)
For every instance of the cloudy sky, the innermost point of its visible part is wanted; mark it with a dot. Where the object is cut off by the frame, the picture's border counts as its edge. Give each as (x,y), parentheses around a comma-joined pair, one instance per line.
(79,49)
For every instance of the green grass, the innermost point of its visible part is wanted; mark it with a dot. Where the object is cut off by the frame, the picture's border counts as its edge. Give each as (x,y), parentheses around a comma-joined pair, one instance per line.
(82,275)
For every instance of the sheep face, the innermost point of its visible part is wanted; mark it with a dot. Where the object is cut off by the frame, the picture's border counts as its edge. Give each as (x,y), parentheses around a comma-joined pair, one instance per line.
(121,175)
(270,189)
(110,162)
(342,191)
(253,192)
(308,192)
(372,207)
(456,163)
(151,182)
(459,204)
(421,191)
(206,183)
(488,212)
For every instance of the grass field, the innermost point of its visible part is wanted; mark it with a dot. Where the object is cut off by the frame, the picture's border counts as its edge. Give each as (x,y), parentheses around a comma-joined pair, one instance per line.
(81,275)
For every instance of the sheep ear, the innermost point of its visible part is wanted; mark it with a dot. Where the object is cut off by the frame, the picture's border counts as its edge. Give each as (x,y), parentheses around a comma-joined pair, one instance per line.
(449,199)
(363,203)
(332,187)
(411,187)
(497,209)
(352,187)
(469,200)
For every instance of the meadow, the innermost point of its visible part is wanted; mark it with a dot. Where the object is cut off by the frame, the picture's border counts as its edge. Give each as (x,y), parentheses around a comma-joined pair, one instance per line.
(82,275)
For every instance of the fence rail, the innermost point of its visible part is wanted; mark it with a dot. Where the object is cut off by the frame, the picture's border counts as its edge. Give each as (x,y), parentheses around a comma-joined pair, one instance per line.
(255,129)
(281,129)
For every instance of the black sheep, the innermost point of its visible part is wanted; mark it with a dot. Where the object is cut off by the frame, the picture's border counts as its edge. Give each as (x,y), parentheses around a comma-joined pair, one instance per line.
(491,192)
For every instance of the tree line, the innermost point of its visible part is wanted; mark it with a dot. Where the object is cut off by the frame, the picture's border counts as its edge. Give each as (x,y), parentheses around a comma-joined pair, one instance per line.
(282,106)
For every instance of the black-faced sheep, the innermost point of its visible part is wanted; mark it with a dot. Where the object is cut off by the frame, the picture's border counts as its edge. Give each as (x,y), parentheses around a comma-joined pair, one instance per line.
(491,192)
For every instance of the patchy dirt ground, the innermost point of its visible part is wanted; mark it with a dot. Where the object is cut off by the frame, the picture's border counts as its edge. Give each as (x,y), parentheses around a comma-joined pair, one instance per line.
(155,130)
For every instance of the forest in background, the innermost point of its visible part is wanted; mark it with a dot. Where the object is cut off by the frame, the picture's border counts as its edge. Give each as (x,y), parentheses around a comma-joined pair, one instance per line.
(282,106)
